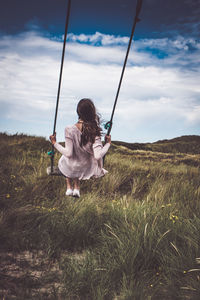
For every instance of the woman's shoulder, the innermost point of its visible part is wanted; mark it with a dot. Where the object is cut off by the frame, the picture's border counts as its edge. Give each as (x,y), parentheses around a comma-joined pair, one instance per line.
(70,128)
(97,140)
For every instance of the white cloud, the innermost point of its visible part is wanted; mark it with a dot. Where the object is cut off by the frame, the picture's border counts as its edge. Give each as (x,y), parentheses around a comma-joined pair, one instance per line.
(161,92)
(99,39)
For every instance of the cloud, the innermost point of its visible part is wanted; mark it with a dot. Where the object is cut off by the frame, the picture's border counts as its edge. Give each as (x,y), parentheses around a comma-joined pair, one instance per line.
(160,85)
(99,39)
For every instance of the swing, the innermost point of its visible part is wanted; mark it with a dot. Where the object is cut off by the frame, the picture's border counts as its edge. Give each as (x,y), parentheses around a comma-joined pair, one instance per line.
(53,170)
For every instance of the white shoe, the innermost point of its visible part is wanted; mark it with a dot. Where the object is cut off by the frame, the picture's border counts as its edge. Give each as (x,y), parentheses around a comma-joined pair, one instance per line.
(69,192)
(76,193)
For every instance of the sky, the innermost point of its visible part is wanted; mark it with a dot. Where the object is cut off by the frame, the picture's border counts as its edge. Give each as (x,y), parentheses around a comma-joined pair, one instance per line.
(160,93)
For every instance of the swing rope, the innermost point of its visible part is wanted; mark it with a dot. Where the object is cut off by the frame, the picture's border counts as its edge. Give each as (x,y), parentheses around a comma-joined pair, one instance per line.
(51,153)
(108,125)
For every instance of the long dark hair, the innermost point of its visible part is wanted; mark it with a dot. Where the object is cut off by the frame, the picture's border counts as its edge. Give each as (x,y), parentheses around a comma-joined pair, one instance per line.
(91,122)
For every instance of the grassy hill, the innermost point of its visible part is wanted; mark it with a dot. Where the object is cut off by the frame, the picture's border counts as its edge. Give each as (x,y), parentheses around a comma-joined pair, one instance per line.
(184,144)
(133,234)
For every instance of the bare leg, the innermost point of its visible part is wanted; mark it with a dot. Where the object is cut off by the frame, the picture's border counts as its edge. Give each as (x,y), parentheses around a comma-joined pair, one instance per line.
(76,183)
(76,192)
(69,183)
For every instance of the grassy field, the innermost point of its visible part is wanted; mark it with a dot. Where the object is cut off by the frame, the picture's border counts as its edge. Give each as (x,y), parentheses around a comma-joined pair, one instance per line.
(134,234)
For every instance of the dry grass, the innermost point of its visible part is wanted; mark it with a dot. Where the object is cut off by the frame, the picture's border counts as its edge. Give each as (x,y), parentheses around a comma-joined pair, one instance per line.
(133,234)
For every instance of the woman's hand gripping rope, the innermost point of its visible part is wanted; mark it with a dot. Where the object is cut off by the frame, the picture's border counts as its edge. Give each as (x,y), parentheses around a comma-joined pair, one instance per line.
(53,138)
(108,139)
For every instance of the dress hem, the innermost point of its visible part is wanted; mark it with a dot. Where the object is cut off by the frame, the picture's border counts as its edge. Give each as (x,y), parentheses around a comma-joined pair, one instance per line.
(85,178)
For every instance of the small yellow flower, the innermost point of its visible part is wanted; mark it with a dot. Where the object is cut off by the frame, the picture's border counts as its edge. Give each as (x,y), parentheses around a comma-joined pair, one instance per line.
(18,189)
(184,272)
(173,218)
(13,176)
(169,204)
(7,196)
(151,285)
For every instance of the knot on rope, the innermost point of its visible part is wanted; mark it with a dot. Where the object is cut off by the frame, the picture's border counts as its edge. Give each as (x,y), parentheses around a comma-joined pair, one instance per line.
(108,125)
(51,153)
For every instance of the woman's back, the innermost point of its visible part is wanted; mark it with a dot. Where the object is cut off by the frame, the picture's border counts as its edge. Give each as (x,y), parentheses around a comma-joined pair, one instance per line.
(79,161)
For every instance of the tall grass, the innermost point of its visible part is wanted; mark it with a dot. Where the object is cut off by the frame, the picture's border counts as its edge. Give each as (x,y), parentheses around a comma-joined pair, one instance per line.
(133,234)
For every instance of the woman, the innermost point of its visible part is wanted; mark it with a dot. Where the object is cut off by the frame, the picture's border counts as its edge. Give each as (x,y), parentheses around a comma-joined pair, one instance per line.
(82,156)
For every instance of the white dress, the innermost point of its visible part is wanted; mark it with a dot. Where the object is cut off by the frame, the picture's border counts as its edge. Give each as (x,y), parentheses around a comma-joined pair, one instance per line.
(81,162)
